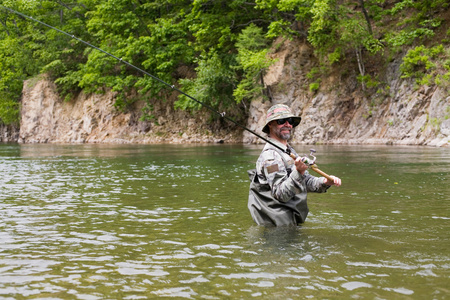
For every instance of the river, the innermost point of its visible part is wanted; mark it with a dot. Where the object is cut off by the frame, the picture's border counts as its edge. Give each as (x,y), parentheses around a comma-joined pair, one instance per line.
(171,221)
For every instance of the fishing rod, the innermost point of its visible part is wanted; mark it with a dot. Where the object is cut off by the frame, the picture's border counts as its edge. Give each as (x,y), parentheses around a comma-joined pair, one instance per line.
(173,87)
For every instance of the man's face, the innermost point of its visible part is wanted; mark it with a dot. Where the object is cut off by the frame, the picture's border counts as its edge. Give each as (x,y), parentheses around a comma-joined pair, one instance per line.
(282,131)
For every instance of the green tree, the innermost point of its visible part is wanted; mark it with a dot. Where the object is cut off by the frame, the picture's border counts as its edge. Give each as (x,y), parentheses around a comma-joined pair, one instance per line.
(27,49)
(215,27)
(253,59)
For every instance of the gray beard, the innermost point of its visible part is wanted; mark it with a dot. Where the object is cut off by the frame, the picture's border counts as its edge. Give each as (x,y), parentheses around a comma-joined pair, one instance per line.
(285,136)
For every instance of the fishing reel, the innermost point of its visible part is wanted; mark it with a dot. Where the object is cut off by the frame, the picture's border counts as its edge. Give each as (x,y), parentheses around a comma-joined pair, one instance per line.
(310,161)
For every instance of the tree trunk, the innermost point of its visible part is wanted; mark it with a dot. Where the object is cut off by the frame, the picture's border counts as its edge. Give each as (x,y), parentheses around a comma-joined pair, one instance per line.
(366,15)
(361,67)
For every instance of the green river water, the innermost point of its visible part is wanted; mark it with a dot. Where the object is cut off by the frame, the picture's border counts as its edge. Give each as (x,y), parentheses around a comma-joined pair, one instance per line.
(171,221)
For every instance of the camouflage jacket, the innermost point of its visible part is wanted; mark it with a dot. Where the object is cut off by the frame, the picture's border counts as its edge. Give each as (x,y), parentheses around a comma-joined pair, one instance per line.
(278,191)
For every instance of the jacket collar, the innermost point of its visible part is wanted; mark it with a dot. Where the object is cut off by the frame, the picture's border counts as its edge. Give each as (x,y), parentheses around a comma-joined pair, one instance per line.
(278,143)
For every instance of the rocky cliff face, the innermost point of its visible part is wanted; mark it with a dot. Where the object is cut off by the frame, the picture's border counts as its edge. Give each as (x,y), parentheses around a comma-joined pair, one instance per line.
(339,113)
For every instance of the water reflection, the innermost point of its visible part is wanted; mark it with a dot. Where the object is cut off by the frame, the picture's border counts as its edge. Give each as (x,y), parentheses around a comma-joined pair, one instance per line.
(279,240)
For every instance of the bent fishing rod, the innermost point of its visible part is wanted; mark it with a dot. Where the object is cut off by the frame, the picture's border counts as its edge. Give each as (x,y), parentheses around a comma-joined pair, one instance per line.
(307,161)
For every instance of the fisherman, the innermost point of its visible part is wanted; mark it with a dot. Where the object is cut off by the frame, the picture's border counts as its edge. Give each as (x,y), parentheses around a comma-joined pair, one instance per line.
(279,184)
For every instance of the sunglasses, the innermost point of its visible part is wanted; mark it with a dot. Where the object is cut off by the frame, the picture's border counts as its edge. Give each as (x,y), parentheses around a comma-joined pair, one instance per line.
(282,121)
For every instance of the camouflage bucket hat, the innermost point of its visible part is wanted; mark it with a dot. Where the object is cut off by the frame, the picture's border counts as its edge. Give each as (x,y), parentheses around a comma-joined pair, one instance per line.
(280,111)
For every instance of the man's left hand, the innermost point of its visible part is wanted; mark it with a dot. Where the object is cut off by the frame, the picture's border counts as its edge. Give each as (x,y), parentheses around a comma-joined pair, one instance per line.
(336,181)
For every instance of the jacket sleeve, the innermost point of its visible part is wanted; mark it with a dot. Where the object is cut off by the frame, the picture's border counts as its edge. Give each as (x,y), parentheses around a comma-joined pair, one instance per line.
(315,184)
(284,183)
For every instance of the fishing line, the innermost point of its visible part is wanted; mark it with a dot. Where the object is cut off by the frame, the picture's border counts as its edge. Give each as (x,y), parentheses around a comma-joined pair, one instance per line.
(222,115)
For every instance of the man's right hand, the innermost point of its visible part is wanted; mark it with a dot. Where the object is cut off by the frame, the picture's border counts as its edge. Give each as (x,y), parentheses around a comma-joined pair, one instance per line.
(300,166)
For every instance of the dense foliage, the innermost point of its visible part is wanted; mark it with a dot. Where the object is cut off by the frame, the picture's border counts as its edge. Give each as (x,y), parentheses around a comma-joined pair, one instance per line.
(214,50)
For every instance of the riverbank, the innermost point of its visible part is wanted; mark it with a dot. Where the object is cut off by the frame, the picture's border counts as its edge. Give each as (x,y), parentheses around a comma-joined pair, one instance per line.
(340,112)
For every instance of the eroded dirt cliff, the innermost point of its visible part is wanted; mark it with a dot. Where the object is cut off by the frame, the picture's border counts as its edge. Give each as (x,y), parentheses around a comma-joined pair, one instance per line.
(45,118)
(9,133)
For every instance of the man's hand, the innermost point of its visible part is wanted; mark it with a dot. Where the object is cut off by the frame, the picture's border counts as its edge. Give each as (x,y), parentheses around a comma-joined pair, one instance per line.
(300,166)
(336,181)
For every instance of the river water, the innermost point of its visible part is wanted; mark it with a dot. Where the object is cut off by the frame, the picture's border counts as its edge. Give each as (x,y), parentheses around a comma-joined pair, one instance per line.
(171,221)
